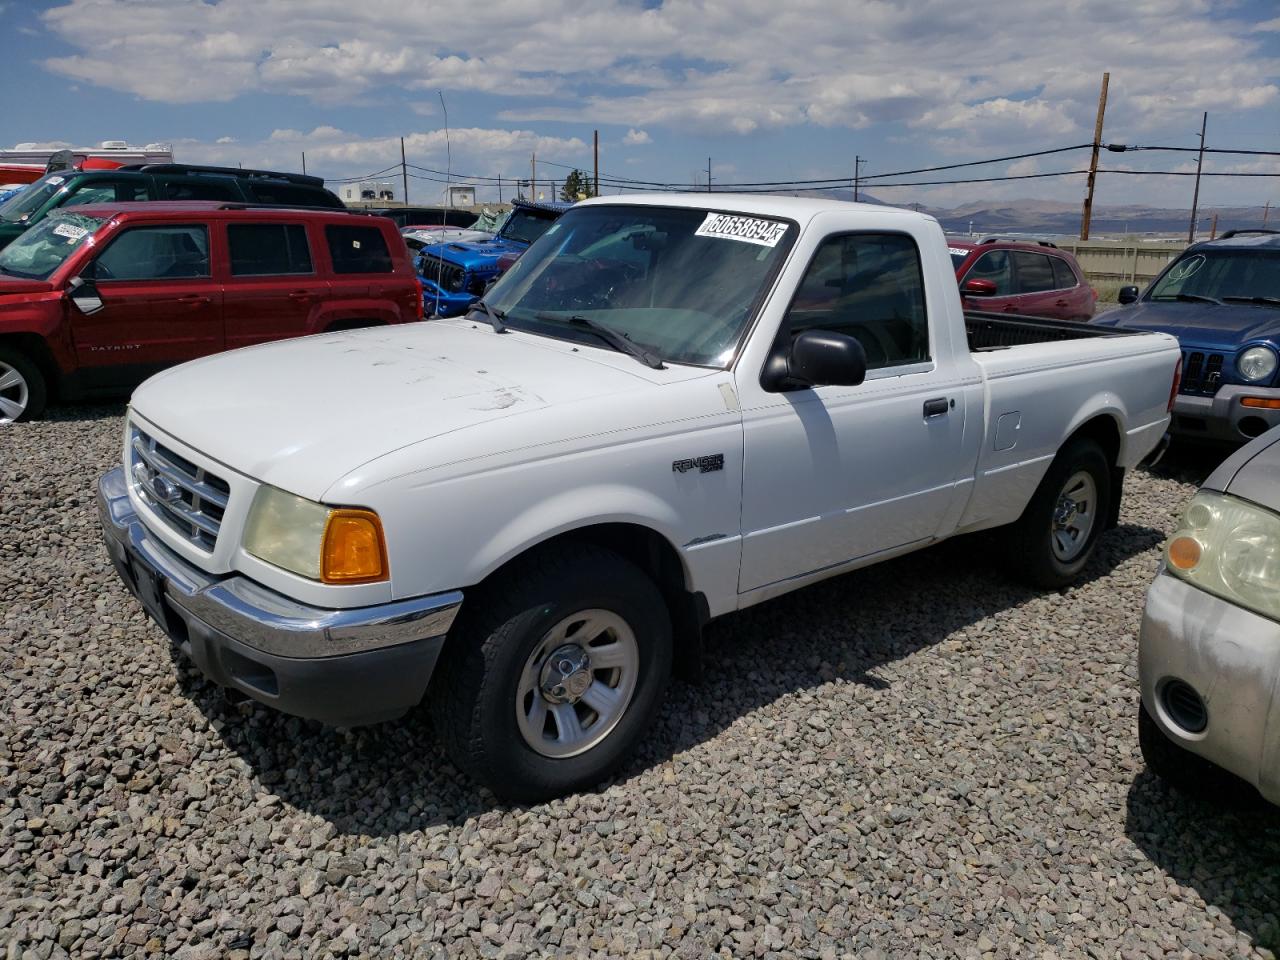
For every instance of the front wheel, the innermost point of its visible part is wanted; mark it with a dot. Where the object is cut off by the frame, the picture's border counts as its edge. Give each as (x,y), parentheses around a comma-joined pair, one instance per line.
(1051,542)
(22,387)
(555,674)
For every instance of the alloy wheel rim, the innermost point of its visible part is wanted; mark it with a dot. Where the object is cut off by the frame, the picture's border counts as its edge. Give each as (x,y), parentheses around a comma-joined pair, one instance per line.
(1074,516)
(577,683)
(14,393)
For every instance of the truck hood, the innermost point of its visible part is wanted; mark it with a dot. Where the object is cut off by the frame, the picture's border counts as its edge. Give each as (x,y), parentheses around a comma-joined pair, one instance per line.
(14,285)
(1201,324)
(475,256)
(300,414)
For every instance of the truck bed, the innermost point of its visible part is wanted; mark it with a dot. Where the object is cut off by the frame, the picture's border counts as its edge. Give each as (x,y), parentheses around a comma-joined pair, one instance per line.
(999,331)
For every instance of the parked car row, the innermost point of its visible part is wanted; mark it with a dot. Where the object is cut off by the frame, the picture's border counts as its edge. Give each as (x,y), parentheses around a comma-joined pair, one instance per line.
(688,393)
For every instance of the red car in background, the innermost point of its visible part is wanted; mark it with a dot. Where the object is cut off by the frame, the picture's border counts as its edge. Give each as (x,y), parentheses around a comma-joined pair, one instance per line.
(1029,277)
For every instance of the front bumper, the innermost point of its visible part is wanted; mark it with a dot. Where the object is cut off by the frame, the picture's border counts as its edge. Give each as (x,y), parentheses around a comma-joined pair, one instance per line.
(1219,417)
(439,302)
(342,667)
(1231,657)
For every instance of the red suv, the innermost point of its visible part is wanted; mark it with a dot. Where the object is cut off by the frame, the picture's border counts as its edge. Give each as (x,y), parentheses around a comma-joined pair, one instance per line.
(97,297)
(1033,278)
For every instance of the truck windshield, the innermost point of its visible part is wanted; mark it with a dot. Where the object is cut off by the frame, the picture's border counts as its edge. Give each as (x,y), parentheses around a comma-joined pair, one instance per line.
(526,226)
(1223,274)
(681,283)
(46,246)
(26,202)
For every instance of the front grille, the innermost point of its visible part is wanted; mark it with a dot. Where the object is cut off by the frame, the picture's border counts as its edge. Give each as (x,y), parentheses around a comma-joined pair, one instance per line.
(449,276)
(188,498)
(1201,373)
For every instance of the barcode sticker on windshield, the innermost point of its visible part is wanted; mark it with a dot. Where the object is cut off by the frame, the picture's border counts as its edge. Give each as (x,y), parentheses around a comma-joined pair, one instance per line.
(70,231)
(765,233)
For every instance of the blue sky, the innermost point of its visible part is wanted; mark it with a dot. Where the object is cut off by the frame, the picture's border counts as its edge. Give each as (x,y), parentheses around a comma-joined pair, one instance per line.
(768,90)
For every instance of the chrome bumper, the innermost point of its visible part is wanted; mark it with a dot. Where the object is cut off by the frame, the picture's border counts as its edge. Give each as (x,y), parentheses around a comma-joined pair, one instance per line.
(1218,417)
(345,667)
(1231,657)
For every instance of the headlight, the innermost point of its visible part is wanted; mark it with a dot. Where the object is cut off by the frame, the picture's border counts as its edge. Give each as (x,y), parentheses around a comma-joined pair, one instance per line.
(1231,548)
(1257,363)
(332,545)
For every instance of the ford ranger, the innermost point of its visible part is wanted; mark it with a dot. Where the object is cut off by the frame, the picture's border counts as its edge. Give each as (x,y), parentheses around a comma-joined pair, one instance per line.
(670,409)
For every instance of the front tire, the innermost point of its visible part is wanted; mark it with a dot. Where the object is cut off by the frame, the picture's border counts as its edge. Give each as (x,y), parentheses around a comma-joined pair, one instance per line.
(1052,541)
(556,673)
(22,387)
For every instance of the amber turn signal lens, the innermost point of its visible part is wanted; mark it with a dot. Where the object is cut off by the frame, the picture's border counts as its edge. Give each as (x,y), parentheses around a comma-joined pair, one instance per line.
(1184,553)
(354,550)
(1264,402)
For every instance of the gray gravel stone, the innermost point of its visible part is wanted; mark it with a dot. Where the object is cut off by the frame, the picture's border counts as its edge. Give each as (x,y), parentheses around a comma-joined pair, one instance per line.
(916,760)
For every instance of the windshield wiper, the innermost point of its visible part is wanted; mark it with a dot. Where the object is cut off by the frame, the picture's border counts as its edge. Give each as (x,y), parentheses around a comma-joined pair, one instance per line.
(618,341)
(495,317)
(1265,301)
(1190,298)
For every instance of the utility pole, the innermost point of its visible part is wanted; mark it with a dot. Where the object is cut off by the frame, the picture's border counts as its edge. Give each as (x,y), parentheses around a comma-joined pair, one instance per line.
(404,172)
(857,175)
(1266,211)
(1213,228)
(499,188)
(304,161)
(1087,215)
(1195,197)
(533,175)
(708,174)
(595,152)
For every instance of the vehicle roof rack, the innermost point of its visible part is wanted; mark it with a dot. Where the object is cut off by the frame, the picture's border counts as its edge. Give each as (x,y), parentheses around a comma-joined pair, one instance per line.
(301,179)
(1245,230)
(246,205)
(1043,243)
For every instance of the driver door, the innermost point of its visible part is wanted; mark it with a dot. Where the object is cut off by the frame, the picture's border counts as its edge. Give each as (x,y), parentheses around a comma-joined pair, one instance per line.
(160,304)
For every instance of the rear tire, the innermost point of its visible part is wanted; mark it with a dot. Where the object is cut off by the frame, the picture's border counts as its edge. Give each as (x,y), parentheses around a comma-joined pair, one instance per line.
(22,387)
(555,674)
(1052,541)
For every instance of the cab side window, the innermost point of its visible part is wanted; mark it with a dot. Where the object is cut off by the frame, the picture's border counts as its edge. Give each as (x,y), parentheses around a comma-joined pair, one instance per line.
(358,250)
(201,188)
(268,249)
(994,265)
(154,253)
(1064,278)
(870,287)
(1035,272)
(106,191)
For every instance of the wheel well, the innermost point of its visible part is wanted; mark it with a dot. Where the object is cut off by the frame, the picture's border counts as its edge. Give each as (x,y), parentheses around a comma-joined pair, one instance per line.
(34,347)
(352,325)
(654,554)
(1105,432)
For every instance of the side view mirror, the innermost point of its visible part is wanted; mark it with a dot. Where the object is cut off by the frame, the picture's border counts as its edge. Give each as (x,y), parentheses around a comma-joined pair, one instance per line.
(979,288)
(84,294)
(1128,294)
(817,358)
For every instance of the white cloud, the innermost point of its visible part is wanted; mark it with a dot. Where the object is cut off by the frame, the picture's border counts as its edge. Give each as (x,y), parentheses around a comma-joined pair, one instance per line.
(635,138)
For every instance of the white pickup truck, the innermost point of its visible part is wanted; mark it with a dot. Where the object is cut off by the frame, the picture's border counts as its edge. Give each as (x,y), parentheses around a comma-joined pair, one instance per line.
(672,408)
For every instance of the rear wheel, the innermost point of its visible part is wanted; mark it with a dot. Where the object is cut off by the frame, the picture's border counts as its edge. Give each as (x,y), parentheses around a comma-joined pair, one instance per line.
(22,387)
(1051,542)
(555,674)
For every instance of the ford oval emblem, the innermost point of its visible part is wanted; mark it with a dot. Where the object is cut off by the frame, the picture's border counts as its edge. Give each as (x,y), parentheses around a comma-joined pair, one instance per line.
(164,489)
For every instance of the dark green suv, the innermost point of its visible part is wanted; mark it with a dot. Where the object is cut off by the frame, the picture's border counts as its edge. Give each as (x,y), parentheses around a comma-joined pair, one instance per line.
(159,181)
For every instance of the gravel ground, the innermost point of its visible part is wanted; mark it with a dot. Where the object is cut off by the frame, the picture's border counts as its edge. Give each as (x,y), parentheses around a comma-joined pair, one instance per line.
(915,760)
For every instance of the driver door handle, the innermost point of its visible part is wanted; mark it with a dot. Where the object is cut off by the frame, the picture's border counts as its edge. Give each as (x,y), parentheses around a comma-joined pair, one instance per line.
(300,295)
(194,300)
(936,408)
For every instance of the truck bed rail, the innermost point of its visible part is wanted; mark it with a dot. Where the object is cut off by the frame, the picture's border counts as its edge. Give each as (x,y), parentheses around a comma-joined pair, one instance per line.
(999,331)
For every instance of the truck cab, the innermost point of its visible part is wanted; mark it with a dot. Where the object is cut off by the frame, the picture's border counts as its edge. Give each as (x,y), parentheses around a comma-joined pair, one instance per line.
(1221,299)
(454,274)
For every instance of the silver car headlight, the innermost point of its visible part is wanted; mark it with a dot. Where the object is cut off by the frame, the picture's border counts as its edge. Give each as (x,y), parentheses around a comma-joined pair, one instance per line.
(1257,363)
(329,544)
(1231,548)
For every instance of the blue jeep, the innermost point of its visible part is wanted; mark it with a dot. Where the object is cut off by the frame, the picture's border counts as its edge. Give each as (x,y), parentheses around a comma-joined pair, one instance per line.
(454,275)
(1221,299)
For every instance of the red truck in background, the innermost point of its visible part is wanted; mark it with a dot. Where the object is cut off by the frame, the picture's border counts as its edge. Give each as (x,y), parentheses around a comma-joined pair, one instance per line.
(98,297)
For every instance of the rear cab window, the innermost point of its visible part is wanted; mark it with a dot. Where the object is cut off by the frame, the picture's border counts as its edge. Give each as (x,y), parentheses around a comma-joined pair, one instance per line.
(358,249)
(268,249)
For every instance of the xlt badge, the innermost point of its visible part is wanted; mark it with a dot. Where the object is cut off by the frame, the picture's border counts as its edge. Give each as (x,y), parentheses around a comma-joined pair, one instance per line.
(711,462)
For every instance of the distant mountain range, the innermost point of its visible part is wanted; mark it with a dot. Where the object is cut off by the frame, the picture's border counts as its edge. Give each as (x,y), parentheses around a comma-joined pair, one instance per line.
(1057,218)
